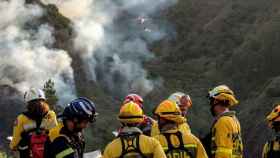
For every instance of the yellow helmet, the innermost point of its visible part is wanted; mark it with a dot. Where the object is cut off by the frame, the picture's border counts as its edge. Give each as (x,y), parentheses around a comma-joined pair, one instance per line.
(223,93)
(169,111)
(131,113)
(274,116)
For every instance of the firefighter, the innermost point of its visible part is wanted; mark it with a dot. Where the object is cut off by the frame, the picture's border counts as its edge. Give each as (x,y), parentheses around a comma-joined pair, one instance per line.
(226,140)
(131,142)
(67,140)
(176,143)
(31,127)
(272,148)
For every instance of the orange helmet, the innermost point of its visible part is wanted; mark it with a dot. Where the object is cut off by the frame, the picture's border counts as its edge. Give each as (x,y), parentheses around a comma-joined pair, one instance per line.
(169,111)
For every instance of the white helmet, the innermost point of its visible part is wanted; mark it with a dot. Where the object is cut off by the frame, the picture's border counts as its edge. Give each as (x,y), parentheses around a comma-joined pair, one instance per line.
(176,97)
(34,94)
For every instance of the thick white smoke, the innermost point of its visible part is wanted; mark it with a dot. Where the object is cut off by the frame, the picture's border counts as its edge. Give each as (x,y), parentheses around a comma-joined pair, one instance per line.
(26,57)
(113,37)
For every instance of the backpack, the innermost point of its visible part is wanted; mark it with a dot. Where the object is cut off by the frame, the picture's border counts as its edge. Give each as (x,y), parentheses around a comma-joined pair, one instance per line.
(36,139)
(181,150)
(37,145)
(131,146)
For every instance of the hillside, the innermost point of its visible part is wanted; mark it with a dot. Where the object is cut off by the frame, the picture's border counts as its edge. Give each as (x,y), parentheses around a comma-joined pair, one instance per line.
(225,42)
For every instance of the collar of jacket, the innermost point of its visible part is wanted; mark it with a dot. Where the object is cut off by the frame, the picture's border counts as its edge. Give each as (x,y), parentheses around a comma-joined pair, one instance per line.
(169,128)
(225,113)
(128,130)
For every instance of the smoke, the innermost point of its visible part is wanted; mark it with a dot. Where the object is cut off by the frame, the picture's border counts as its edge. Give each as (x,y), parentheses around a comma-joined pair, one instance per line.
(113,38)
(27,59)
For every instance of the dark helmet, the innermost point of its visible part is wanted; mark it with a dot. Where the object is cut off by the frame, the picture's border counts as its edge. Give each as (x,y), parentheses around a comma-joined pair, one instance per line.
(80,108)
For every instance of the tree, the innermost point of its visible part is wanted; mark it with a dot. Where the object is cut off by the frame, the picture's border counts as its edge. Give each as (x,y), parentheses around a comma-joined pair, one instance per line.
(51,96)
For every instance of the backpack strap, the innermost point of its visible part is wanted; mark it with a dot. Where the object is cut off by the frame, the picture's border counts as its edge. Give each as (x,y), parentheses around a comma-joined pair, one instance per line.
(134,141)
(38,121)
(169,144)
(181,146)
(138,146)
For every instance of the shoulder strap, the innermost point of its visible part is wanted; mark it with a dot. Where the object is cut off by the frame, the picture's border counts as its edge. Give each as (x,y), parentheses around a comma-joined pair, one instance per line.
(271,145)
(123,147)
(126,150)
(270,149)
(181,145)
(169,144)
(37,120)
(66,138)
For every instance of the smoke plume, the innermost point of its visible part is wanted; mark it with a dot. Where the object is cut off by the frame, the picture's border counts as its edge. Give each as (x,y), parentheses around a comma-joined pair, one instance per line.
(113,37)
(27,59)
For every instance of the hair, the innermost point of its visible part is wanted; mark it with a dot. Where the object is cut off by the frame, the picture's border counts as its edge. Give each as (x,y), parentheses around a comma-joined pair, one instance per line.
(224,103)
(163,122)
(38,108)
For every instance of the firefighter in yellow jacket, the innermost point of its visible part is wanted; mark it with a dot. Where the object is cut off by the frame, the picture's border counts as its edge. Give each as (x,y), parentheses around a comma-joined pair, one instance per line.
(147,124)
(226,141)
(272,148)
(185,103)
(131,142)
(38,115)
(175,142)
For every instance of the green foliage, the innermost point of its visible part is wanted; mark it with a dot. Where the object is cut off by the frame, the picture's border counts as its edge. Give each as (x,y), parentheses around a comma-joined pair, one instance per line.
(61,21)
(51,96)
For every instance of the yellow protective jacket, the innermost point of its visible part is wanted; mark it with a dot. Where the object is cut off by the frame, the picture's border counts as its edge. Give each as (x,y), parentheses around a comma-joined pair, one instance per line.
(184,128)
(182,145)
(55,132)
(226,141)
(24,124)
(271,149)
(148,146)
